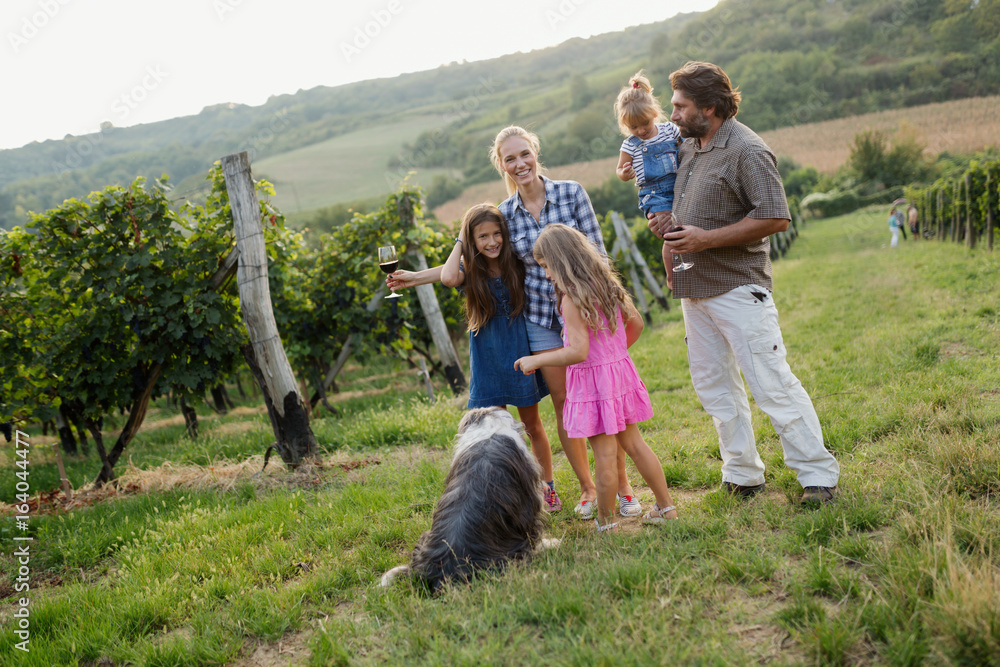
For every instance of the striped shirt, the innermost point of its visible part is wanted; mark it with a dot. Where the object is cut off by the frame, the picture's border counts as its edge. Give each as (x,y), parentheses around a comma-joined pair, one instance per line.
(566,203)
(734,177)
(664,132)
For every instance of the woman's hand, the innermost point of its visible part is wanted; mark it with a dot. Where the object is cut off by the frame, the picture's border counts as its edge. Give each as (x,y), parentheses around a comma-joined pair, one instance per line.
(401,279)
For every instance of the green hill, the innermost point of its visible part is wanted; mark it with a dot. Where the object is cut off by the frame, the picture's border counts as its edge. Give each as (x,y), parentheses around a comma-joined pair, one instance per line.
(349,167)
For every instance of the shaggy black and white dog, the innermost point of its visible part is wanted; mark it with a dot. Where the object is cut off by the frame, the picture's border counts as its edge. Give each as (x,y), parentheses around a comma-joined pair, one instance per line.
(492,510)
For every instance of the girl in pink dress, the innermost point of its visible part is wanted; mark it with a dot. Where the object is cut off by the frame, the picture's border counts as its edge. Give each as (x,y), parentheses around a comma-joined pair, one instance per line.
(605,397)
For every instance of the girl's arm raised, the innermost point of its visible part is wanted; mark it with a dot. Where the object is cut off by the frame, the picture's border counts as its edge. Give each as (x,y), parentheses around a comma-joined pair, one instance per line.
(452,274)
(577,344)
(449,273)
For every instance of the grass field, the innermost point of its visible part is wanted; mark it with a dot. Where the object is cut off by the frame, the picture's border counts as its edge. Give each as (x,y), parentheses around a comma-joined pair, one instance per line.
(199,559)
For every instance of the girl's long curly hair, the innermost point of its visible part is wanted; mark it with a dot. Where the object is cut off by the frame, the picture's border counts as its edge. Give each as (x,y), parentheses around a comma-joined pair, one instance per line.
(479,303)
(580,272)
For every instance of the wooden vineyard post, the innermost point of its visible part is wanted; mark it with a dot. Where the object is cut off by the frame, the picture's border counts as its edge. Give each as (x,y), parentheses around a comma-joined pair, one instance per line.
(956,201)
(620,251)
(989,209)
(439,330)
(940,214)
(294,439)
(622,232)
(970,233)
(432,309)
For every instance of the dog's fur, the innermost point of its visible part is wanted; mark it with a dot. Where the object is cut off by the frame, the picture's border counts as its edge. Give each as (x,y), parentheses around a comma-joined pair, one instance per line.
(492,509)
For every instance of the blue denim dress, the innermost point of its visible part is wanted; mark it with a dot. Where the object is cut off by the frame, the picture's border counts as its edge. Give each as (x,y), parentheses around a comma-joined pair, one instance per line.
(492,352)
(659,164)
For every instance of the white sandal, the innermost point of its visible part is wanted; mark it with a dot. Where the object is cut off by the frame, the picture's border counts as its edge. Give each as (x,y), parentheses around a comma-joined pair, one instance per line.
(656,515)
(610,526)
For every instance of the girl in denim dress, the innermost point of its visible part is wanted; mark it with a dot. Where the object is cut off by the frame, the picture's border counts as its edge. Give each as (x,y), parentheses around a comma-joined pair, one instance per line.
(649,154)
(484,265)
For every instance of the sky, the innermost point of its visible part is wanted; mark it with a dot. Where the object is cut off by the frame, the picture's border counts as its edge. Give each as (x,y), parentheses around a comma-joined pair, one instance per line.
(66,66)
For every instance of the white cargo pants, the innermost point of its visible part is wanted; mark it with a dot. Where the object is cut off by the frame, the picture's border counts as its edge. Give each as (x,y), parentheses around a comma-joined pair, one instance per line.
(738,331)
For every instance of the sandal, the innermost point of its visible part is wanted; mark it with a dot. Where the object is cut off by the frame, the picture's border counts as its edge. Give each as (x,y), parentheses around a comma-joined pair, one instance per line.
(657,514)
(611,526)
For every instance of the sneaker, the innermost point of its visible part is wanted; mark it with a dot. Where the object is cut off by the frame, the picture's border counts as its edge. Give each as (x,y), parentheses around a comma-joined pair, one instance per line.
(733,489)
(629,506)
(656,515)
(552,502)
(585,509)
(818,495)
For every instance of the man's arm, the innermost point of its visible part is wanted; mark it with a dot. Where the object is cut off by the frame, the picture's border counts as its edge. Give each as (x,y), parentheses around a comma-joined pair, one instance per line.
(747,230)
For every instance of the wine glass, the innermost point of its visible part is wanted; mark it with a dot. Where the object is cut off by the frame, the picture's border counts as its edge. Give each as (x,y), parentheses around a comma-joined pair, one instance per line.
(679,263)
(388,262)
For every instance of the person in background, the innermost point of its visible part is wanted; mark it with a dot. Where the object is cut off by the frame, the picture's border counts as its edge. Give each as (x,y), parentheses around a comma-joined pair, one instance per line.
(729,199)
(894,227)
(911,214)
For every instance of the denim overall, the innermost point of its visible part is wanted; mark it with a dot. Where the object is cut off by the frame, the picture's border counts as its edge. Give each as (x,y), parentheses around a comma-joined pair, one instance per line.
(659,164)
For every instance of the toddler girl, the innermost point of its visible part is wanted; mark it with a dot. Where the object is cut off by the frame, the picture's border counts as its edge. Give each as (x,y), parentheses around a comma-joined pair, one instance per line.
(649,154)
(605,397)
(484,263)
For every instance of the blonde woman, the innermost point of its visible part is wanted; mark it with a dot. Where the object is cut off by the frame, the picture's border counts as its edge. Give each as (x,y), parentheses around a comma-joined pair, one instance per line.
(534,202)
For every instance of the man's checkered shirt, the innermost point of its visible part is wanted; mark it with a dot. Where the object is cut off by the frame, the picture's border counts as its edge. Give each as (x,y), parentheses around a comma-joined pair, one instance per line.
(735,176)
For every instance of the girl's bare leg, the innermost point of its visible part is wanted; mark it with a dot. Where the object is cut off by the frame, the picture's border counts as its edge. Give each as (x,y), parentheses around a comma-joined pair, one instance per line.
(647,464)
(539,439)
(624,487)
(605,464)
(575,448)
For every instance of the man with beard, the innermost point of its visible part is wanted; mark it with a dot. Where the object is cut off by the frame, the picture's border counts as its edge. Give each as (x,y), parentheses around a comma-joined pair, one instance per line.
(728,199)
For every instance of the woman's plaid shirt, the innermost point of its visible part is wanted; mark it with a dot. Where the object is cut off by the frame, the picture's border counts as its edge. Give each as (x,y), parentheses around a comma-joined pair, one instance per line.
(566,203)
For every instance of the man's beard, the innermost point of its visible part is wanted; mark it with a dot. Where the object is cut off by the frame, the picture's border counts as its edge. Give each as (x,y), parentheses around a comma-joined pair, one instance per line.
(698,127)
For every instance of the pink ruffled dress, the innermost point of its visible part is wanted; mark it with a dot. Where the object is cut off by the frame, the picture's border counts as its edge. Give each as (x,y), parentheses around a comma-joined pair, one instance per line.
(604,393)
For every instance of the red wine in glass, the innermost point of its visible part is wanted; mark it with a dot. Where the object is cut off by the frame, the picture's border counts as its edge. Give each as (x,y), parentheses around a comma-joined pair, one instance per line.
(388,262)
(679,263)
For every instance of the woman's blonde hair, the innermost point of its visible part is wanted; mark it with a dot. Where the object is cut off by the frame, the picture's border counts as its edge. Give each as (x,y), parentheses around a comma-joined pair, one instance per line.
(480,305)
(502,136)
(580,272)
(636,104)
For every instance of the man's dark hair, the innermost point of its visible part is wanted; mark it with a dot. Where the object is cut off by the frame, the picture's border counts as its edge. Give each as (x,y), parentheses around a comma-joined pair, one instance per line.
(707,86)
